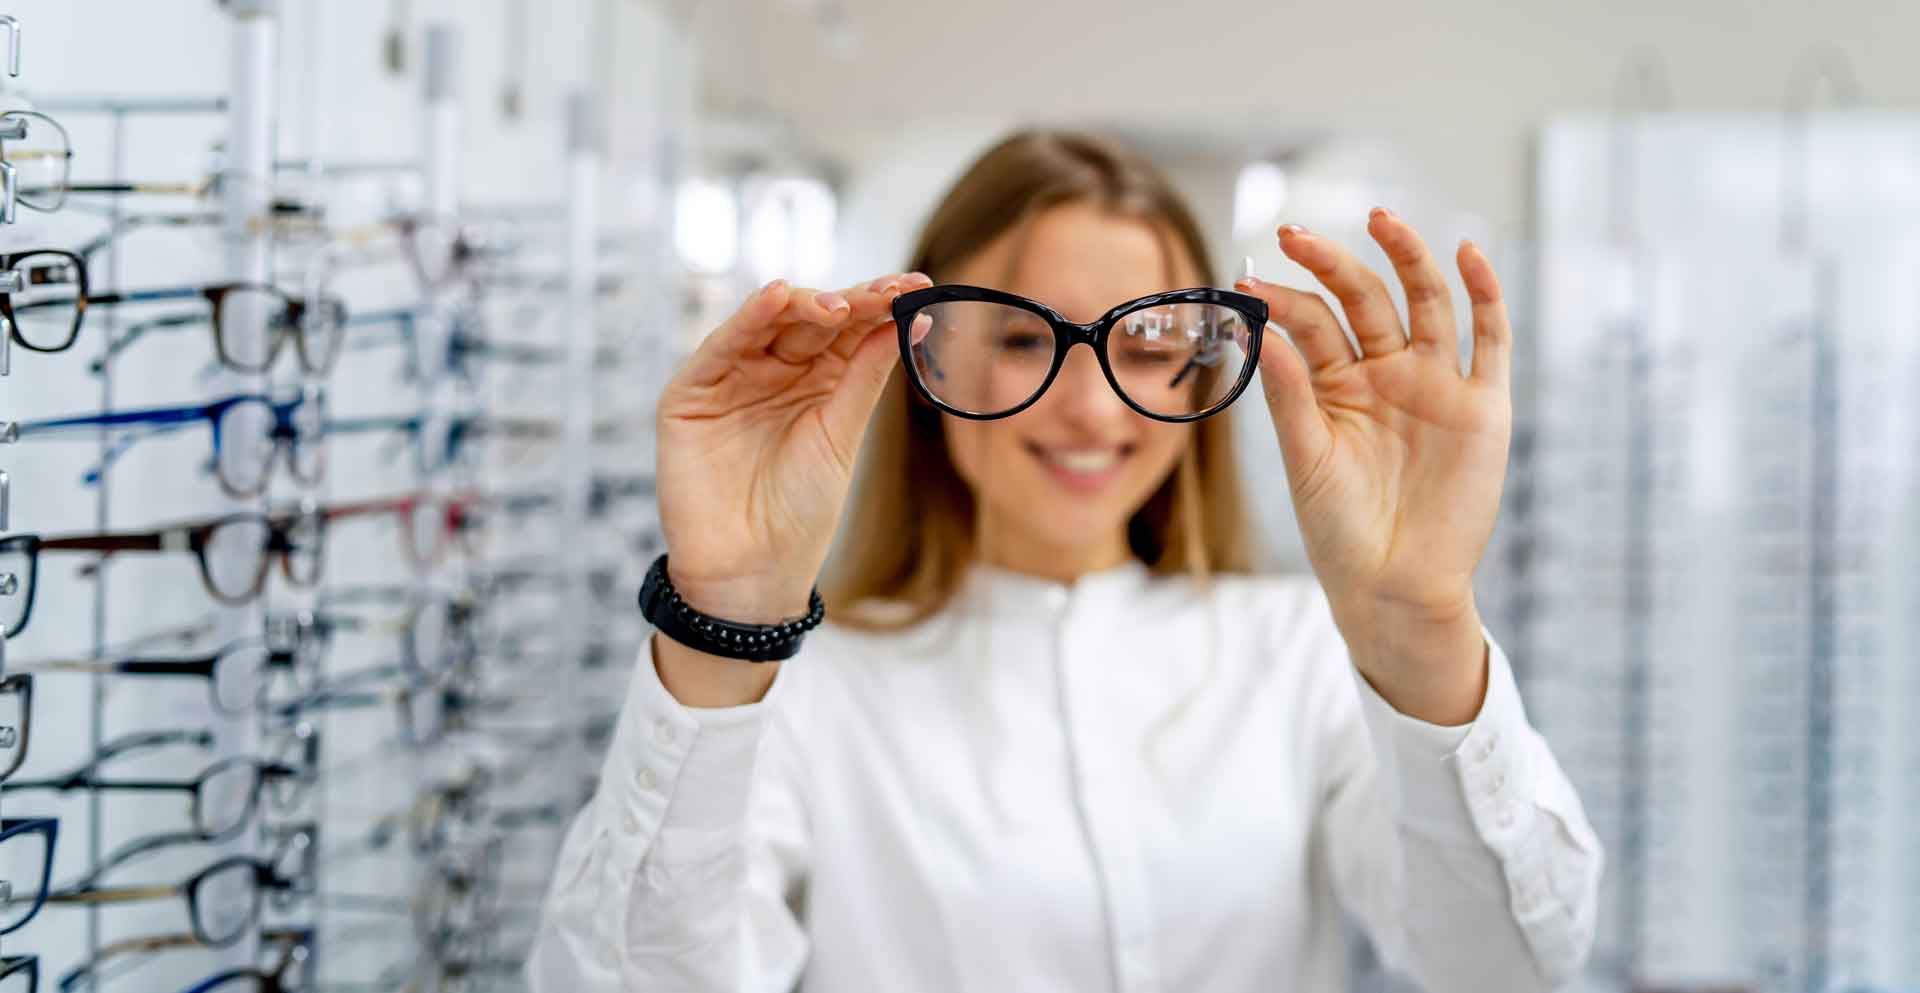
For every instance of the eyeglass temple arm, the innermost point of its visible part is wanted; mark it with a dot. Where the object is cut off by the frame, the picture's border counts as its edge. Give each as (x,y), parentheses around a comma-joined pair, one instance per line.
(139,330)
(154,739)
(116,894)
(159,417)
(132,849)
(109,544)
(128,946)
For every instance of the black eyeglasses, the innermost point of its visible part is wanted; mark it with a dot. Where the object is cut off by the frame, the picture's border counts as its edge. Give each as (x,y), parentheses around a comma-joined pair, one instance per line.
(221,799)
(20,974)
(222,900)
(45,311)
(240,675)
(982,353)
(234,551)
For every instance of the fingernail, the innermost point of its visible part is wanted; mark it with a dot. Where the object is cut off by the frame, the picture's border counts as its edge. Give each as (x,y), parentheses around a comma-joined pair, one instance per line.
(831,301)
(1293,229)
(769,287)
(880,285)
(919,277)
(1379,212)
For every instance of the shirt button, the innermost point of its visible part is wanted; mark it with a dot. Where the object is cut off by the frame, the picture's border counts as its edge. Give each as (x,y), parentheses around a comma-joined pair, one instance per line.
(645,779)
(1056,598)
(663,731)
(632,826)
(1499,781)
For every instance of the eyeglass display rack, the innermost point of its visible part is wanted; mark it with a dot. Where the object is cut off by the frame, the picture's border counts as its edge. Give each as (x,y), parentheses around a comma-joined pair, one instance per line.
(10,584)
(1722,595)
(406,842)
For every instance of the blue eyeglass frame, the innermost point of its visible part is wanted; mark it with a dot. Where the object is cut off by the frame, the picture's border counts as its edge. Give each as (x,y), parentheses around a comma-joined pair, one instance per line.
(285,434)
(1067,334)
(48,826)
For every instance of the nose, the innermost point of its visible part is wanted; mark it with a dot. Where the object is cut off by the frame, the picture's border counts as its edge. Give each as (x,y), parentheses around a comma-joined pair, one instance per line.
(1081,391)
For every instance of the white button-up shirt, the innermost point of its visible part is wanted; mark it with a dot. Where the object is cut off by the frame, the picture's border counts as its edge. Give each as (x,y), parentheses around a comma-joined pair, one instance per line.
(1118,784)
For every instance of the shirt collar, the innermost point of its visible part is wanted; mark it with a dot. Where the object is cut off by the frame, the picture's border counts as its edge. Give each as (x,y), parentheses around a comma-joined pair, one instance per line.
(1007,593)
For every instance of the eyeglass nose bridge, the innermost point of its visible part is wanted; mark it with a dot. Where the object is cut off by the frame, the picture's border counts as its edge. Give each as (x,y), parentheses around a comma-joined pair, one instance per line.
(1077,333)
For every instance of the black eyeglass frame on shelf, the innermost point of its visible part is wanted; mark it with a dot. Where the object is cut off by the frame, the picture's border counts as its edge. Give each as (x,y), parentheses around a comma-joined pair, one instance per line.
(1067,334)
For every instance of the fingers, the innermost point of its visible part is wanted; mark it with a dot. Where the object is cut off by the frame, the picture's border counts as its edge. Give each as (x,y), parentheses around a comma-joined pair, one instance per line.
(1429,302)
(1362,294)
(746,330)
(848,315)
(1308,320)
(1297,420)
(850,407)
(1492,334)
(811,321)
(872,306)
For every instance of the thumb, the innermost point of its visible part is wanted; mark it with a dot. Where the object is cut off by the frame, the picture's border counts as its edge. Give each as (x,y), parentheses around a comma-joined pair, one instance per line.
(1297,420)
(868,368)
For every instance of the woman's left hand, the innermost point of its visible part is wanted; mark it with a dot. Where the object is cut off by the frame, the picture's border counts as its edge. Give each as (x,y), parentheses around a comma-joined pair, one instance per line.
(1395,458)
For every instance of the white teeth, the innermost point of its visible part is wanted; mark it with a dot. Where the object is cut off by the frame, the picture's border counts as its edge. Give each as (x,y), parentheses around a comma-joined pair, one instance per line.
(1095,461)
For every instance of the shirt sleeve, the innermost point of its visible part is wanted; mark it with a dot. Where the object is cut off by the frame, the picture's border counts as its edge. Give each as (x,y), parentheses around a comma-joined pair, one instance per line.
(685,870)
(1463,851)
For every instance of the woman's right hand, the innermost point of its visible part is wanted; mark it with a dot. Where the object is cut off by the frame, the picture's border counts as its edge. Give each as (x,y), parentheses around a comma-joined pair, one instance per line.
(758,433)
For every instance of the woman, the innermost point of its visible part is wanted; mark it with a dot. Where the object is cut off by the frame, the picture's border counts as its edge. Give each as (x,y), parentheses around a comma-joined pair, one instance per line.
(1056,735)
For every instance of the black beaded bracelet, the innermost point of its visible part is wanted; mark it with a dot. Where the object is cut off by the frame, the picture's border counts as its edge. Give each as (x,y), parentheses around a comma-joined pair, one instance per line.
(661,605)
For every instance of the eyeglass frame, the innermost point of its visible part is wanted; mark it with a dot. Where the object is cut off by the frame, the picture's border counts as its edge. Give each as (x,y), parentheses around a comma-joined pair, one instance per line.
(11,827)
(21,683)
(193,536)
(1067,334)
(87,778)
(11,965)
(202,666)
(65,156)
(151,943)
(24,586)
(285,435)
(264,878)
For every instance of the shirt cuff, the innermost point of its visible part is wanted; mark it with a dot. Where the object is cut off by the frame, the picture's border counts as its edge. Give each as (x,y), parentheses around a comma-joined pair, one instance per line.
(675,768)
(1453,782)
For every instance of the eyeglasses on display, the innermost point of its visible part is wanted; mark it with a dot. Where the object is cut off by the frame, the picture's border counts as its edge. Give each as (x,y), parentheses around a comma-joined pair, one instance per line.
(239,675)
(222,900)
(221,799)
(251,432)
(49,296)
(234,551)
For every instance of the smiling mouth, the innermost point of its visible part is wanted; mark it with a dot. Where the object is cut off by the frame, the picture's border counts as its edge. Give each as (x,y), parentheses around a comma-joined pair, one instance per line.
(1082,461)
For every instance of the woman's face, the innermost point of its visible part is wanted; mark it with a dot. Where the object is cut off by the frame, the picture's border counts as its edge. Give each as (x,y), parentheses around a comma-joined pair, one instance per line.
(1060,479)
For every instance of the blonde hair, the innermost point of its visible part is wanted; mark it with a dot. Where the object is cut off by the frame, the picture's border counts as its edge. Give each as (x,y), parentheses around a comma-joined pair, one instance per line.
(911,530)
